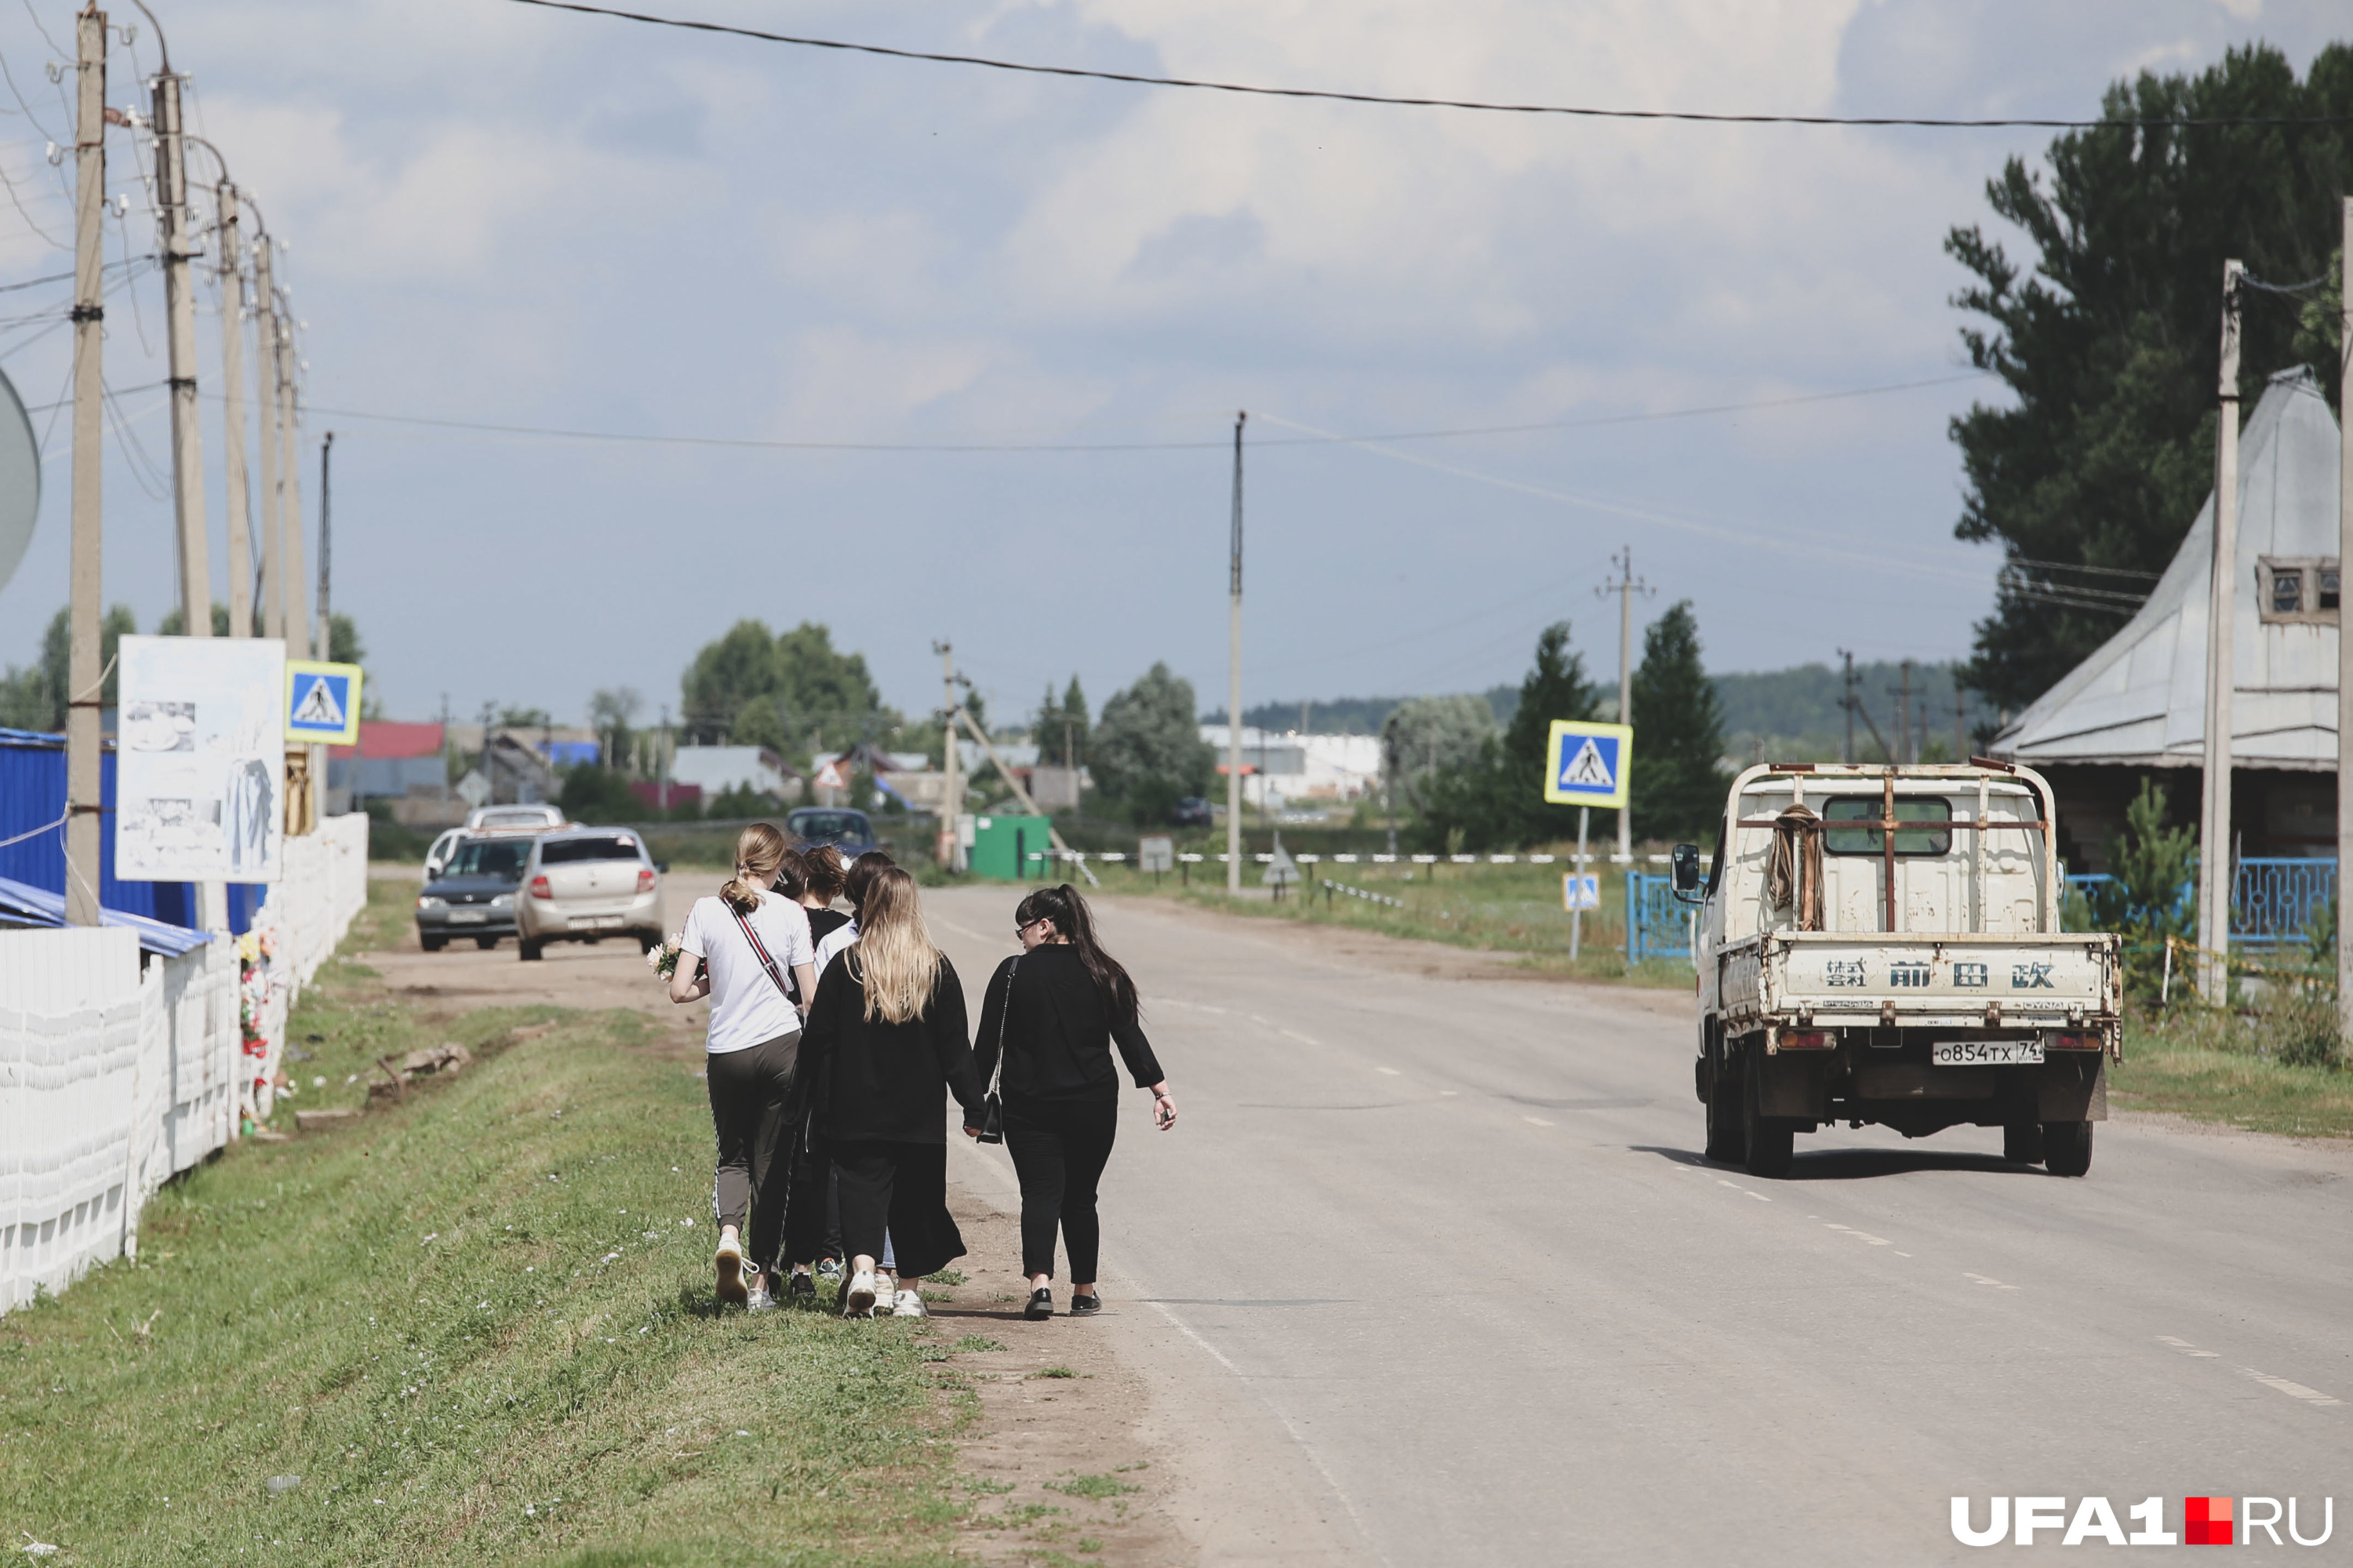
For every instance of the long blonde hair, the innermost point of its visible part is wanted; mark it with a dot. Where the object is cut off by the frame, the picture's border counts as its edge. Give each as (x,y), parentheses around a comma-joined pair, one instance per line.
(759,853)
(895,949)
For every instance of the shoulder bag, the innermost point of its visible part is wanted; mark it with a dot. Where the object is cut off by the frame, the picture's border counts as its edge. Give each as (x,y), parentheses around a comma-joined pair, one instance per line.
(992,1110)
(760,950)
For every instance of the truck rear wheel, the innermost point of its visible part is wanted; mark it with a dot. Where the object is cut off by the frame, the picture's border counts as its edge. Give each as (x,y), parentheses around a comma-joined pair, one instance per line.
(2067,1148)
(1724,1142)
(2022,1143)
(1770,1142)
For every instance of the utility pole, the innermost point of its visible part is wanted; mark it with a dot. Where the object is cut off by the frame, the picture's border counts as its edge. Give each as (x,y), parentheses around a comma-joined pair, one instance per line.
(1960,721)
(85,680)
(951,836)
(2344,647)
(1904,718)
(2214,862)
(180,318)
(240,517)
(1847,702)
(1625,587)
(273,487)
(1234,685)
(326,548)
(289,458)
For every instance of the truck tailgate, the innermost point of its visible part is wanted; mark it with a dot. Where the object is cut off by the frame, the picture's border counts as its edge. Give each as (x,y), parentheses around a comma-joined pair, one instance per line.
(2008,981)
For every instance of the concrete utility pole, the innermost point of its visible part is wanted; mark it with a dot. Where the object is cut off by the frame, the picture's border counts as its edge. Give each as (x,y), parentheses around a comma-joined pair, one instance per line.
(951,837)
(289,458)
(1234,685)
(326,548)
(2214,867)
(240,511)
(1847,703)
(2344,643)
(1625,587)
(1904,718)
(84,679)
(273,534)
(180,319)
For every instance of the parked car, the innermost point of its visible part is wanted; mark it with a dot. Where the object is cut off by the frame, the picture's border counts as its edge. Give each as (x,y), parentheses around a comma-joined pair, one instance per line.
(583,884)
(1192,811)
(851,832)
(538,816)
(443,848)
(472,894)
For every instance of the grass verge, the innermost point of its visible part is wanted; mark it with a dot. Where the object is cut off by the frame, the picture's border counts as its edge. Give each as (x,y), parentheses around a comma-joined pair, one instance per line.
(476,1327)
(2278,1070)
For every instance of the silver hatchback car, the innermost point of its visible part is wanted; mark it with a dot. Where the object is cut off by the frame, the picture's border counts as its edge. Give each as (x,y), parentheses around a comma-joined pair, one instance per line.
(583,884)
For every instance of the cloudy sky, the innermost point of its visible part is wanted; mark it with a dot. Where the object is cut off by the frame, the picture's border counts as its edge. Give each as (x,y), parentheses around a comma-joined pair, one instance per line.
(502,215)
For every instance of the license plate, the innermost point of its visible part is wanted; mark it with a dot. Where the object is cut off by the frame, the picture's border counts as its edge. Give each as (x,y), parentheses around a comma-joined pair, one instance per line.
(468,917)
(613,923)
(1985,1053)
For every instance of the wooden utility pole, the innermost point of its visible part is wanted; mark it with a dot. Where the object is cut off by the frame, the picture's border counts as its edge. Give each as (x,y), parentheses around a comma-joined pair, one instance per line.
(240,510)
(2214,864)
(951,837)
(1625,587)
(1234,684)
(2344,643)
(273,535)
(85,677)
(289,458)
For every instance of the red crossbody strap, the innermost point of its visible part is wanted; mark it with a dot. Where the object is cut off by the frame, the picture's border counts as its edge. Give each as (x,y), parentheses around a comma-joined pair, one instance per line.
(761,949)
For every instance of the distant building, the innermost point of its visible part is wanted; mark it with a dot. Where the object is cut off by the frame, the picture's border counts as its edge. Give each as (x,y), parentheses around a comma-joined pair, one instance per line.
(716,769)
(1288,768)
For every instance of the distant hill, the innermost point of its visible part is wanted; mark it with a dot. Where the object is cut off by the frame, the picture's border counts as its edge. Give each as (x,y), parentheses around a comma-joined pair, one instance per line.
(1789,715)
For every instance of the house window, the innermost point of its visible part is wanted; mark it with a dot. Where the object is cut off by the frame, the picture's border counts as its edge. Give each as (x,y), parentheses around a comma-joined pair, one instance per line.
(2297,589)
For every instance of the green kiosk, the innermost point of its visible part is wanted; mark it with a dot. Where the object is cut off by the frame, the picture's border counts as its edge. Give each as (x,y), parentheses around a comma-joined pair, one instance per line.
(1002,847)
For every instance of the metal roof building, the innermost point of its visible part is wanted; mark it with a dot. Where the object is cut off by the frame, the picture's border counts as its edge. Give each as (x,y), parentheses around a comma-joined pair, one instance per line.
(2138,703)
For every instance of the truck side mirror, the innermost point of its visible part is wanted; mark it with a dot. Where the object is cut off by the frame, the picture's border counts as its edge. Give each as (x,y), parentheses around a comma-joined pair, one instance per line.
(1684,860)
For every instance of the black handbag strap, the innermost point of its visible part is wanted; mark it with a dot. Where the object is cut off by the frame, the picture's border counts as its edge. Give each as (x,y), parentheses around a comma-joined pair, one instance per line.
(997,1077)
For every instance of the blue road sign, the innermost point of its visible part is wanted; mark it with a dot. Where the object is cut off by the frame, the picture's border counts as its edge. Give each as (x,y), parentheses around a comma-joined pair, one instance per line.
(322,703)
(1586,764)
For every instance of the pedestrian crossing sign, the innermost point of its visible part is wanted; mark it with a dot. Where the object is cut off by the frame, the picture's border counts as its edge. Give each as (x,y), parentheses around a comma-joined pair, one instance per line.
(1586,764)
(322,703)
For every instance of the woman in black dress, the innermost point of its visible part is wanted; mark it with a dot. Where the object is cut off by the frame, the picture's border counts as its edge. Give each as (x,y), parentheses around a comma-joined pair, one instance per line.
(1055,1012)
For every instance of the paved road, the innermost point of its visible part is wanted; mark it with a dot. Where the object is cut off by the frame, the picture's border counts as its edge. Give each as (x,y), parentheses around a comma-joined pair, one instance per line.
(1456,1243)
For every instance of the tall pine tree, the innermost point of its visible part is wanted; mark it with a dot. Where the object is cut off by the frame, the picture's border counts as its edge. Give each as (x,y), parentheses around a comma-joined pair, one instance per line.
(1679,779)
(1496,800)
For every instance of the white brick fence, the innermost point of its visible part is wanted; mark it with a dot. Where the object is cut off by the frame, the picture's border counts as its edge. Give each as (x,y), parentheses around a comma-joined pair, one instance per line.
(119,1069)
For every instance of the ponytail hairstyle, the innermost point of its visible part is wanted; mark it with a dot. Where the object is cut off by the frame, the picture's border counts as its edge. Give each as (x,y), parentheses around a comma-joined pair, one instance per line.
(1072,918)
(860,878)
(759,853)
(822,873)
(901,966)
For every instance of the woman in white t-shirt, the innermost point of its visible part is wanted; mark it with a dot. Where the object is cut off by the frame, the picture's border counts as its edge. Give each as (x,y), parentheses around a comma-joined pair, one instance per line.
(753,944)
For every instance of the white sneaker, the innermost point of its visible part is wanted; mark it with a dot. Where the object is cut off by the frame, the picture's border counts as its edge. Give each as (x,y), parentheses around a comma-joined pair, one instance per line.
(908,1304)
(857,1301)
(759,1299)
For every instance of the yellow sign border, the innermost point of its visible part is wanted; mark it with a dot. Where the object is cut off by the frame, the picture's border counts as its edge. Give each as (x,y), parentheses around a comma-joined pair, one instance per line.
(350,734)
(1624,736)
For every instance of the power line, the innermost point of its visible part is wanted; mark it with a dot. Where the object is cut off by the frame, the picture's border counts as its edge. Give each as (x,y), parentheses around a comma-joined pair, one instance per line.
(644,439)
(1384,99)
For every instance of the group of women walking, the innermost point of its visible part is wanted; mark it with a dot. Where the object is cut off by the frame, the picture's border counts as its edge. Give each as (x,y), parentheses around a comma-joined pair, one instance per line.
(835,1043)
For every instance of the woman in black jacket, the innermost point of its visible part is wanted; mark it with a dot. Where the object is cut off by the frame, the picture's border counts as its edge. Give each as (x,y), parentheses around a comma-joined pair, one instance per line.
(1054,1011)
(888,1043)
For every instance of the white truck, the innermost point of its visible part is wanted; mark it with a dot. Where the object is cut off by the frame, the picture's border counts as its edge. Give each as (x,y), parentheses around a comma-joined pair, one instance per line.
(1884,945)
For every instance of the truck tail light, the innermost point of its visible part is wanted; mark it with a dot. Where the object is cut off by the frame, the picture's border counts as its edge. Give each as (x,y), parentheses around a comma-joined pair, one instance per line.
(1805,1040)
(646,879)
(2078,1042)
(539,888)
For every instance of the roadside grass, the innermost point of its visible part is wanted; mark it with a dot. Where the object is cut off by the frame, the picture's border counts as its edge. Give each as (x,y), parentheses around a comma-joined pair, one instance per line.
(1514,909)
(2277,1070)
(478,1327)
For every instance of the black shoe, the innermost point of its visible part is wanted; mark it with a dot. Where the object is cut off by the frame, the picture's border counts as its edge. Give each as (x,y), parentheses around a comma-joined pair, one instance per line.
(802,1289)
(1085,1306)
(1042,1305)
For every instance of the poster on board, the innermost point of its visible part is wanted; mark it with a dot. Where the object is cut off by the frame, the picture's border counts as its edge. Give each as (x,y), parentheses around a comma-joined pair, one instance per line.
(200,759)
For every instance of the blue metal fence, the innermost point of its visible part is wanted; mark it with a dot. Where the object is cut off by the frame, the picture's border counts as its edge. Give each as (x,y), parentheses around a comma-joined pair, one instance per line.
(2272,899)
(1658,925)
(32,798)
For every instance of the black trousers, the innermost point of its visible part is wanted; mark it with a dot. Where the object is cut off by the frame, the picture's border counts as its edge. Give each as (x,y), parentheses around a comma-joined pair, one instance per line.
(898,1191)
(751,1107)
(1059,1149)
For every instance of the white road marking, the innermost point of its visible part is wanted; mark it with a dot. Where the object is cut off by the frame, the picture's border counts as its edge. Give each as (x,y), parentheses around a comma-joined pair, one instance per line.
(1984,1280)
(1758,1196)
(2292,1390)
(960,930)
(1859,1236)
(1536,1121)
(1900,1253)
(2186,1348)
(1392,1072)
(1722,1183)
(1306,1039)
(1448,1094)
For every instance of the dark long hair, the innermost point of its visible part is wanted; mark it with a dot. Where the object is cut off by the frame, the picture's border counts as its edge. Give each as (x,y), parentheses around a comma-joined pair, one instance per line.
(862,874)
(1072,918)
(817,870)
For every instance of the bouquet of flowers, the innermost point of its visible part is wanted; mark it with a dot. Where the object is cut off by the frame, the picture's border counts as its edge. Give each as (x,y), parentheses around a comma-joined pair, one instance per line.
(663,961)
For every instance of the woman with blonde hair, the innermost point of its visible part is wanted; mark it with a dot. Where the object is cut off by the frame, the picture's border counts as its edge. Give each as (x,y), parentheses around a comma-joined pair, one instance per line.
(747,939)
(888,1043)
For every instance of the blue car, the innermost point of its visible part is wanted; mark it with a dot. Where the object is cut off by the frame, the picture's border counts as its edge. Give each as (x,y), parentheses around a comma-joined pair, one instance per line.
(851,832)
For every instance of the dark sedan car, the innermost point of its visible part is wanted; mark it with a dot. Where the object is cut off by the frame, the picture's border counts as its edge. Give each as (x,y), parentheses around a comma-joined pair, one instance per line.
(1192,811)
(849,831)
(474,895)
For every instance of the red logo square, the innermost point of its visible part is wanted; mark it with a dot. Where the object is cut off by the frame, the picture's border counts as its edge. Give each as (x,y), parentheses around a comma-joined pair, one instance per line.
(2206,1521)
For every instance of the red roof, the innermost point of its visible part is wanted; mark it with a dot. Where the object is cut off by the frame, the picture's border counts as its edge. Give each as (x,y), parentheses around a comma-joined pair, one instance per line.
(383,738)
